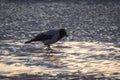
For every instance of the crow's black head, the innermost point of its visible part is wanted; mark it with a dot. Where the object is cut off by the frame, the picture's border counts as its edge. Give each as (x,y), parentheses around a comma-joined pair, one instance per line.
(63,33)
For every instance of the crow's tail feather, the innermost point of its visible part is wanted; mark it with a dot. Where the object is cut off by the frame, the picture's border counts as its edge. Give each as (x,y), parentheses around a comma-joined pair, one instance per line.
(29,41)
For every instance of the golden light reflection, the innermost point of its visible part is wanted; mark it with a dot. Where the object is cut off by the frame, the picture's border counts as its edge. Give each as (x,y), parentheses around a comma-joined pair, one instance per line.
(87,57)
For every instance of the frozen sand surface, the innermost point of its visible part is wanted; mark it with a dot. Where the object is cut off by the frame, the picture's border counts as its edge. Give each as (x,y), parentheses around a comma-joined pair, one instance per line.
(87,57)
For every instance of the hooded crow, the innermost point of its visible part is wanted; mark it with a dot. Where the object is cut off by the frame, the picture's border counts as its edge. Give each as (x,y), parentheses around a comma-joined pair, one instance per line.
(49,37)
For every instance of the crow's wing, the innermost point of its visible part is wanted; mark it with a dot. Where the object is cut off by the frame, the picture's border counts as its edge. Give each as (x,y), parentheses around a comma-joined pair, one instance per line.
(42,37)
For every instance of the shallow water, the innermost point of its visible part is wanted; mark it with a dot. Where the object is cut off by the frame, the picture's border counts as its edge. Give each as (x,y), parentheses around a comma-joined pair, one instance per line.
(87,57)
(92,47)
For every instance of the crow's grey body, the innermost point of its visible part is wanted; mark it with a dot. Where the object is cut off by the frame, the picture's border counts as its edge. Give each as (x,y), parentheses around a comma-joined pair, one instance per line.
(49,37)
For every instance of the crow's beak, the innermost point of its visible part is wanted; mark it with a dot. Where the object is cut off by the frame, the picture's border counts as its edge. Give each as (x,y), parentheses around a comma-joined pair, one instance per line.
(66,35)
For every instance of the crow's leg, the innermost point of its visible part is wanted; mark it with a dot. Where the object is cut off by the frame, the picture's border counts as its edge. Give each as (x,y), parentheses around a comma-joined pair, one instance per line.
(48,47)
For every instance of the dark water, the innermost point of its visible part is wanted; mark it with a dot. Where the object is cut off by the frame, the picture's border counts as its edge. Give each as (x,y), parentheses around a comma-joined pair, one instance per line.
(84,20)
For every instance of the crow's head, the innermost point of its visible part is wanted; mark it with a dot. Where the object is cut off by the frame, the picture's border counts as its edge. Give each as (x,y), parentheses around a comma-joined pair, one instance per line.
(63,32)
